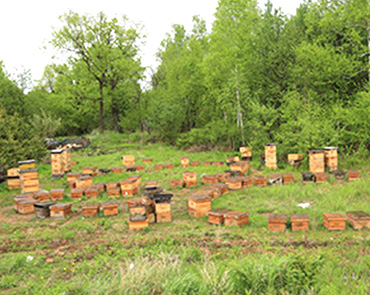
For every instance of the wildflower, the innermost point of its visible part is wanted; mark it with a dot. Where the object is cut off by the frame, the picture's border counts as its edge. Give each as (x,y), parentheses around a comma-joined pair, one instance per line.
(72,270)
(73,263)
(65,268)
(42,277)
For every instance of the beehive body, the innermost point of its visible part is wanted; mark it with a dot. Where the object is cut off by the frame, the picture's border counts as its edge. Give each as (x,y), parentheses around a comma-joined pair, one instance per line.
(358,219)
(60,211)
(277,222)
(184,161)
(238,218)
(217,216)
(209,179)
(288,178)
(260,180)
(175,183)
(331,158)
(199,205)
(334,221)
(90,210)
(189,178)
(300,222)
(353,174)
(110,208)
(57,194)
(270,156)
(317,161)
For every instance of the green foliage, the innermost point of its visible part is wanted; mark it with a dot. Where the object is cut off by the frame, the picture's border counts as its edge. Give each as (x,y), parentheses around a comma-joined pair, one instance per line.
(45,125)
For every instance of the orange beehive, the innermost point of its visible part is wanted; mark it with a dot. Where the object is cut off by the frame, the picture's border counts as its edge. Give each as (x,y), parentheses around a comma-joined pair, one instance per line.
(57,163)
(234,183)
(42,196)
(300,222)
(13,172)
(241,166)
(331,158)
(151,183)
(66,156)
(334,221)
(100,186)
(194,164)
(199,205)
(138,224)
(148,160)
(73,176)
(140,168)
(358,219)
(238,218)
(19,198)
(295,159)
(128,160)
(77,193)
(137,179)
(288,178)
(129,187)
(218,164)
(207,163)
(353,174)
(168,166)
(56,194)
(14,182)
(246,153)
(222,186)
(214,192)
(260,180)
(93,171)
(110,185)
(270,156)
(184,162)
(189,178)
(217,216)
(275,179)
(321,177)
(114,192)
(317,161)
(90,210)
(29,179)
(175,183)
(163,212)
(209,179)
(84,182)
(92,192)
(246,181)
(60,211)
(110,208)
(221,177)
(116,170)
(277,222)
(25,206)
(231,160)
(158,167)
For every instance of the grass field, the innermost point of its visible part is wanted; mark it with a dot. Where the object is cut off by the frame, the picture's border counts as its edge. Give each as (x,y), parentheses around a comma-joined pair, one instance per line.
(100,255)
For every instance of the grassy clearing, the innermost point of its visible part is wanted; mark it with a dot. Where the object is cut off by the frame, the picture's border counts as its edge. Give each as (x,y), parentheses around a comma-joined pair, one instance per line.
(187,256)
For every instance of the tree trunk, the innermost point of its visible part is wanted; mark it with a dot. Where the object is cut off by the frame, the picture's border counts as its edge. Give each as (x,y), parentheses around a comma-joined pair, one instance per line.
(368,45)
(101,105)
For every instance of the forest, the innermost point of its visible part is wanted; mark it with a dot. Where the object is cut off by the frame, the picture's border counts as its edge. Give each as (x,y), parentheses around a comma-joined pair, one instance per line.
(256,76)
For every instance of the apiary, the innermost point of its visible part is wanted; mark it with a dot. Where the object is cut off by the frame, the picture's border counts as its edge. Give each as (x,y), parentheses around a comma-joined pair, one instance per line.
(100,186)
(110,208)
(138,223)
(334,221)
(288,178)
(358,219)
(189,178)
(277,222)
(300,222)
(331,158)
(214,192)
(238,218)
(184,161)
(137,180)
(60,211)
(270,156)
(221,177)
(316,161)
(217,216)
(199,205)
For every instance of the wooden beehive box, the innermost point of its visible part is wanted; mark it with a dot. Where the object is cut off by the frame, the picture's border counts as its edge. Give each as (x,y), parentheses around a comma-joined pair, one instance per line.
(162,208)
(208,163)
(238,218)
(13,182)
(27,165)
(199,205)
(73,176)
(140,168)
(353,174)
(246,153)
(246,181)
(100,186)
(260,180)
(270,156)
(194,163)
(23,197)
(184,161)
(164,217)
(128,187)
(13,172)
(110,208)
(241,166)
(222,186)
(90,210)
(42,210)
(221,177)
(60,211)
(175,183)
(148,160)
(230,160)
(189,178)
(308,177)
(168,166)
(275,179)
(138,224)
(67,154)
(42,196)
(29,180)
(56,194)
(215,192)
(110,185)
(209,179)
(316,160)
(151,183)
(217,163)
(331,158)
(300,222)
(57,163)
(116,170)
(114,192)
(128,160)
(294,159)
(158,167)
(277,222)
(217,216)
(84,182)
(93,171)
(288,178)
(77,193)
(26,206)
(130,168)
(92,192)
(234,183)
(334,221)
(137,179)
(358,219)
(321,177)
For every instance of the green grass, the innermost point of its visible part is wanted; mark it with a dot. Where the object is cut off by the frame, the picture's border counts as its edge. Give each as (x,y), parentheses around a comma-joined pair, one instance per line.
(188,255)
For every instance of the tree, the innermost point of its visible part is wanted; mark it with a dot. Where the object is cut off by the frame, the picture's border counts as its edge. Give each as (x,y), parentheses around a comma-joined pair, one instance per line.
(107,50)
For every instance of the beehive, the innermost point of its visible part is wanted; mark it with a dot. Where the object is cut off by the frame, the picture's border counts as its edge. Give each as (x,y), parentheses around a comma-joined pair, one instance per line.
(234,183)
(270,156)
(13,182)
(321,177)
(19,198)
(358,219)
(238,218)
(199,205)
(168,166)
(218,163)
(92,192)
(13,172)
(295,159)
(288,178)
(114,192)
(163,212)
(241,166)
(194,163)
(205,192)
(331,158)
(100,186)
(148,160)
(222,186)
(158,167)
(138,224)
(60,211)
(208,163)
(260,180)
(42,210)
(275,179)
(246,153)
(66,157)
(77,193)
(137,180)
(29,180)
(175,183)
(73,176)
(93,171)
(339,174)
(27,165)
(130,168)
(221,177)
(184,162)
(110,208)
(26,206)
(353,174)
(128,187)
(140,168)
(300,222)
(189,178)
(217,216)
(277,222)
(216,191)
(42,196)
(246,181)
(56,194)
(128,160)
(308,177)
(90,210)
(317,161)
(151,183)
(116,170)
(84,182)
(334,221)
(230,160)
(209,179)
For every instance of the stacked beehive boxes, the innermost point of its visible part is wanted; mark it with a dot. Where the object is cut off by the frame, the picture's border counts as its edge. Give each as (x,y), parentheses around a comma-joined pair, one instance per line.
(246,153)
(270,156)
(139,214)
(334,221)
(66,157)
(29,176)
(331,158)
(199,205)
(317,161)
(13,179)
(57,163)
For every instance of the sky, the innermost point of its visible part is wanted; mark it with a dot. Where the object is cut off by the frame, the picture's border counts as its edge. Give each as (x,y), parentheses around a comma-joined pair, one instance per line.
(26,26)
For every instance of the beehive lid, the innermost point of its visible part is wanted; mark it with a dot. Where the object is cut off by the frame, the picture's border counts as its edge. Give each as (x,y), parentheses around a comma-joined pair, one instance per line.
(320,174)
(58,151)
(275,176)
(27,201)
(200,197)
(135,202)
(334,216)
(307,174)
(57,190)
(26,162)
(74,174)
(134,177)
(91,206)
(63,206)
(296,217)
(44,204)
(330,148)
(28,171)
(278,217)
(236,214)
(110,204)
(358,215)
(218,212)
(92,189)
(259,177)
(287,175)
(77,190)
(104,170)
(210,176)
(42,192)
(270,144)
(315,151)
(83,177)
(234,179)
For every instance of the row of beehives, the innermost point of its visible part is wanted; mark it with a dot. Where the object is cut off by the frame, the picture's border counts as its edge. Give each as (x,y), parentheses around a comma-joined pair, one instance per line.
(318,159)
